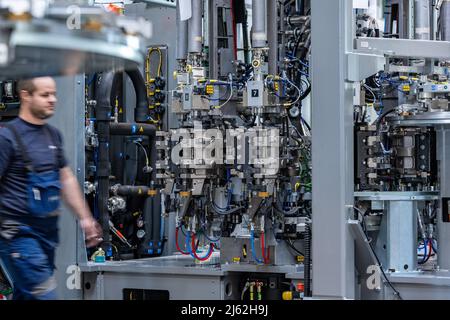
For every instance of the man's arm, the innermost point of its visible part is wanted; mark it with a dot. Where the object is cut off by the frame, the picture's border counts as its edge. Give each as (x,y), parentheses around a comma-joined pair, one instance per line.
(73,197)
(6,151)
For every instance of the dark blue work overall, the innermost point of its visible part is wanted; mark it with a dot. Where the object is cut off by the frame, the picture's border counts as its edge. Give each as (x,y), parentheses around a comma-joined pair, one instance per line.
(28,240)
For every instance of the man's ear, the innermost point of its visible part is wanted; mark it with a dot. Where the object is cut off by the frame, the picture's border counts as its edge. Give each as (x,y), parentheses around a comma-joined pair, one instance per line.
(23,94)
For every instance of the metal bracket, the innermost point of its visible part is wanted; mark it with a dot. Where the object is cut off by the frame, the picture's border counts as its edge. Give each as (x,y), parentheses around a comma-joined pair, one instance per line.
(405,48)
(168,3)
(365,256)
(363,65)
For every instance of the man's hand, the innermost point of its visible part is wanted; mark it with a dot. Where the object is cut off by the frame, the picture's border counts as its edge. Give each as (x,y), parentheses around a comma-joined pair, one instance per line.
(92,231)
(74,198)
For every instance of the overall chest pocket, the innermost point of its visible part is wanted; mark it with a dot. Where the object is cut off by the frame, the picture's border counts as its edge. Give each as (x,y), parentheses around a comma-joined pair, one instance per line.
(44,193)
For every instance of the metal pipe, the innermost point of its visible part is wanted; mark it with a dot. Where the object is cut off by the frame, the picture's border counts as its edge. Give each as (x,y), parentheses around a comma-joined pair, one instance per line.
(445,20)
(422,25)
(155,201)
(295,21)
(272,19)
(152,210)
(246,40)
(300,6)
(125,191)
(282,29)
(133,129)
(182,36)
(259,34)
(141,110)
(152,206)
(297,32)
(195,27)
(107,85)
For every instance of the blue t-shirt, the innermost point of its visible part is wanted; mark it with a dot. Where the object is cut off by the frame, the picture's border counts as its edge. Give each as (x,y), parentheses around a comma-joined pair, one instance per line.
(45,152)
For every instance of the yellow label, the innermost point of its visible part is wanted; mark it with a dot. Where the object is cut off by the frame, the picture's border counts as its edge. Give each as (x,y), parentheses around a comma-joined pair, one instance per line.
(287,296)
(209,89)
(141,130)
(151,193)
(406,88)
(93,25)
(185,194)
(300,259)
(19,16)
(236,260)
(263,194)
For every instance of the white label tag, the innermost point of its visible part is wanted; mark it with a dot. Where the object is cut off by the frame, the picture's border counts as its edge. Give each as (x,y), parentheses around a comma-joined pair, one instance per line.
(3,54)
(37,194)
(364,44)
(360,4)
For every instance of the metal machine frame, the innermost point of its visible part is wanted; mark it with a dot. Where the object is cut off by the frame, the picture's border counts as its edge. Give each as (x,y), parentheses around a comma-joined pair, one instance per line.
(340,251)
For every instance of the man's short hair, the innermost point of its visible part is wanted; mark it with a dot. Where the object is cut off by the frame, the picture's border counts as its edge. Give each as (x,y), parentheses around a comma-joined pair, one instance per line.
(26,85)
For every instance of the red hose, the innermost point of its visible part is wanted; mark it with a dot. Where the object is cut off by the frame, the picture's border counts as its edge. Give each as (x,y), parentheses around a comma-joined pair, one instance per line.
(211,249)
(431,248)
(176,243)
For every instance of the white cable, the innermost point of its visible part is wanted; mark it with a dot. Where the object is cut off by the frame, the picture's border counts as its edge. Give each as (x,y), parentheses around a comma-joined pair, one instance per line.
(384,149)
(247,285)
(370,90)
(229,98)
(299,92)
(147,162)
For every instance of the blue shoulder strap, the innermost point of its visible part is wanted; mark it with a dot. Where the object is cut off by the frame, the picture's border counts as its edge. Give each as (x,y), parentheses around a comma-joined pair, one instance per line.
(26,159)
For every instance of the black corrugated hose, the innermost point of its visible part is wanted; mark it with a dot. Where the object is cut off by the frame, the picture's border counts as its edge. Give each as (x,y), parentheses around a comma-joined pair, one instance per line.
(307,262)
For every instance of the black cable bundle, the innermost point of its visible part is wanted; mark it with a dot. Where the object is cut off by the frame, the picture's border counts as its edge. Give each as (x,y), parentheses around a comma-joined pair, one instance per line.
(307,262)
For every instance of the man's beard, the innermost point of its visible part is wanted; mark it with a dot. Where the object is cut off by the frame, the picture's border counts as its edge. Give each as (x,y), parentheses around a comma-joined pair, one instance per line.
(41,114)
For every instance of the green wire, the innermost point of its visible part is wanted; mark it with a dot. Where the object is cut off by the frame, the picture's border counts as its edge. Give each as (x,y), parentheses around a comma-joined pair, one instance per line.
(6,292)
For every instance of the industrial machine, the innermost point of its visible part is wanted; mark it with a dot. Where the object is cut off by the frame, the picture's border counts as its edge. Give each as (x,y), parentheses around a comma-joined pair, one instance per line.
(208,174)
(196,153)
(392,215)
